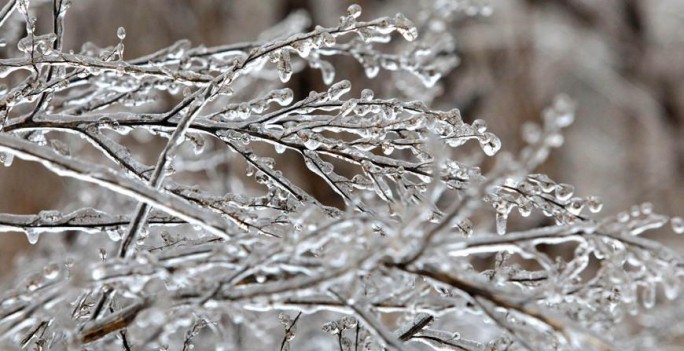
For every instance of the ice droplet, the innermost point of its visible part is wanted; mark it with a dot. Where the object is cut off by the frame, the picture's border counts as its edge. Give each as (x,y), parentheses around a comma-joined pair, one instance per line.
(594,204)
(114,234)
(51,271)
(6,158)
(576,205)
(646,208)
(479,125)
(623,217)
(677,224)
(354,10)
(279,148)
(121,33)
(367,95)
(32,236)
(564,191)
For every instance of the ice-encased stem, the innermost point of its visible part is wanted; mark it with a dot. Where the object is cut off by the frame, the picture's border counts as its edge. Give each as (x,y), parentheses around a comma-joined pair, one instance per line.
(110,179)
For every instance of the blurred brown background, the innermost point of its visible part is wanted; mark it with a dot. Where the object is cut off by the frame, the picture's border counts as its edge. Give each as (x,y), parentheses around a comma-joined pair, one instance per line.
(622,61)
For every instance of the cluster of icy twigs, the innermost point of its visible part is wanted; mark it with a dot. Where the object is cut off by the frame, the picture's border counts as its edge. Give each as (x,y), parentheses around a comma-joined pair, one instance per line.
(249,261)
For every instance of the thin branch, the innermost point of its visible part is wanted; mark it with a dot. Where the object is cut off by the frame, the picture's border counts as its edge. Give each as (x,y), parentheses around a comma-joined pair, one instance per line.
(288,330)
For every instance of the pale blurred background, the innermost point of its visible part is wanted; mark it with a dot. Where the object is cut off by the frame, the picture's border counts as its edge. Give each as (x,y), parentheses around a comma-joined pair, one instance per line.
(622,61)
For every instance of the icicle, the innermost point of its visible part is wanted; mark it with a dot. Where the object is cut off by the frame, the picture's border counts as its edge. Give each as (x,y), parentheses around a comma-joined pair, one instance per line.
(648,294)
(501,219)
(284,66)
(32,236)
